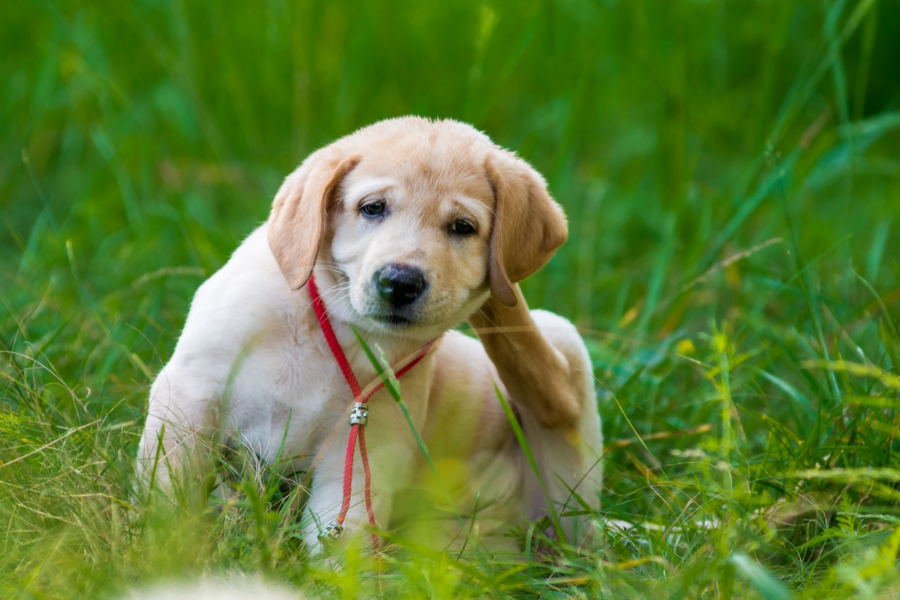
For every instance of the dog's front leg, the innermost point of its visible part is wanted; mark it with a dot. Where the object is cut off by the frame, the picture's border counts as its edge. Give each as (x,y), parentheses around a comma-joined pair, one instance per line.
(392,452)
(546,369)
(327,495)
(174,455)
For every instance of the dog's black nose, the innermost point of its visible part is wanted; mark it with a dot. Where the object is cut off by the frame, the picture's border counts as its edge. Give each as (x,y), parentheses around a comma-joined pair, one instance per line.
(399,285)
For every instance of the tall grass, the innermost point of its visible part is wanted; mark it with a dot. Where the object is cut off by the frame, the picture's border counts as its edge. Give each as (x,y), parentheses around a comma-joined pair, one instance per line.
(731,175)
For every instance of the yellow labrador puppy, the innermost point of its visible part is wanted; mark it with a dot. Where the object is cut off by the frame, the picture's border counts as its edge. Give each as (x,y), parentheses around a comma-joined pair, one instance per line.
(409,227)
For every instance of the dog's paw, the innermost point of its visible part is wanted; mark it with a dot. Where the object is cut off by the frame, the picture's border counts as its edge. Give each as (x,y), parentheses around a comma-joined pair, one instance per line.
(561,410)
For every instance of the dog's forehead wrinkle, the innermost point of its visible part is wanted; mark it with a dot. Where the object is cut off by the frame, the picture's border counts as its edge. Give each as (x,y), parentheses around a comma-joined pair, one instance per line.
(368,186)
(450,158)
(474,207)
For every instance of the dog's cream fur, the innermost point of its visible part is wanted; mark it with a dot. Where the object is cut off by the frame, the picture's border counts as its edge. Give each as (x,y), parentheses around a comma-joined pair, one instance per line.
(252,367)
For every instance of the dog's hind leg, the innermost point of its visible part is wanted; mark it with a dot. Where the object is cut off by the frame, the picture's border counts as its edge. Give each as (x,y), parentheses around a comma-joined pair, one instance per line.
(568,459)
(545,366)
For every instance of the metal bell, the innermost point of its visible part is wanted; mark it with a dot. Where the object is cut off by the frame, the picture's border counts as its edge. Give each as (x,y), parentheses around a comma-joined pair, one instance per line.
(359,415)
(331,532)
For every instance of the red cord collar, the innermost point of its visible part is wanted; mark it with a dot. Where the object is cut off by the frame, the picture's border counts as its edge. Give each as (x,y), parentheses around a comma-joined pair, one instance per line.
(358,419)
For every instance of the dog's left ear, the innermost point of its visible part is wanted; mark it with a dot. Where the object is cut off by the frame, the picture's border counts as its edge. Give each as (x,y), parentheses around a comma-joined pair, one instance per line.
(528,225)
(297,222)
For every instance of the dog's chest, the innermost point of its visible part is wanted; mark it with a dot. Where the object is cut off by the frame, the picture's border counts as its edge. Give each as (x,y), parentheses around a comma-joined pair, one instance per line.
(284,397)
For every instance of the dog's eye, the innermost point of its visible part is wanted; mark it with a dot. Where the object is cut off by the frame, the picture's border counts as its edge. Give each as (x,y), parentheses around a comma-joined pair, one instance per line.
(462,227)
(373,209)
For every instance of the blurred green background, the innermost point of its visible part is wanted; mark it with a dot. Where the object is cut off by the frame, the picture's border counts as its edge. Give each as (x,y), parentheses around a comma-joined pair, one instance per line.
(143,140)
(729,168)
(158,131)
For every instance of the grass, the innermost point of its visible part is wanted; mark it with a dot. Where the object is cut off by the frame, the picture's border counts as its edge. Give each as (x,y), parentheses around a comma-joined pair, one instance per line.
(731,174)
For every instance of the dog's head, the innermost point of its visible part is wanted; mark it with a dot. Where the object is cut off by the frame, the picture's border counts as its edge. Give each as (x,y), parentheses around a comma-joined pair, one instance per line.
(412,223)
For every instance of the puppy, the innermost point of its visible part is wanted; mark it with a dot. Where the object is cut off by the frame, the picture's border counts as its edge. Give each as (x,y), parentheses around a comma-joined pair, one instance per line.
(409,227)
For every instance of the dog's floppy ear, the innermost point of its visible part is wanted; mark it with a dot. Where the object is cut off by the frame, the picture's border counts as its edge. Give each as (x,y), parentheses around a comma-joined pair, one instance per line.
(528,225)
(297,222)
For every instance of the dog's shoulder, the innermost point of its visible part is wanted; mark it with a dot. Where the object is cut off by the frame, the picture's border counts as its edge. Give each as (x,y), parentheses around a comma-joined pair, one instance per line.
(246,298)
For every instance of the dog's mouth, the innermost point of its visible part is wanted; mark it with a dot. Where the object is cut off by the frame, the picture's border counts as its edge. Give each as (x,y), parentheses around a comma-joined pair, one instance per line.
(392,319)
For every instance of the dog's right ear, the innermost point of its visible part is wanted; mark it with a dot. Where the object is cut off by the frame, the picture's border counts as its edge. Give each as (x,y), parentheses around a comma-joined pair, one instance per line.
(297,222)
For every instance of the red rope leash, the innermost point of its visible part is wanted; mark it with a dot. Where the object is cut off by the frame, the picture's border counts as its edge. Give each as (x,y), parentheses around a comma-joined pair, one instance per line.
(358,419)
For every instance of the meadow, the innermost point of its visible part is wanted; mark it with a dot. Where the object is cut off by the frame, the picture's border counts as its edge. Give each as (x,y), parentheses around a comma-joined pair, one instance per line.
(731,173)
